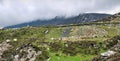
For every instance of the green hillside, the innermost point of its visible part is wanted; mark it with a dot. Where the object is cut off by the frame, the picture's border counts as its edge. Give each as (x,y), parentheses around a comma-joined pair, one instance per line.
(59,43)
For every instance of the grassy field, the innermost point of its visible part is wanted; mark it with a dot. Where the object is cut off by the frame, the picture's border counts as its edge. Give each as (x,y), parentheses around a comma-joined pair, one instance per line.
(35,35)
(63,57)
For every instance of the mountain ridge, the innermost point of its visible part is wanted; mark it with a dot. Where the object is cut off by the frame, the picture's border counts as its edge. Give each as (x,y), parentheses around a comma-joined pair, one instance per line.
(86,17)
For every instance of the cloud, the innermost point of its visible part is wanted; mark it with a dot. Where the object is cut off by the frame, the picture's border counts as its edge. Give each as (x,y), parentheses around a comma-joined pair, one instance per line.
(18,11)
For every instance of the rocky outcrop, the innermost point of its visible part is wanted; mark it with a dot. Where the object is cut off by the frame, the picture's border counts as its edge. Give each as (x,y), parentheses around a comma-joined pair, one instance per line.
(27,53)
(4,47)
(113,53)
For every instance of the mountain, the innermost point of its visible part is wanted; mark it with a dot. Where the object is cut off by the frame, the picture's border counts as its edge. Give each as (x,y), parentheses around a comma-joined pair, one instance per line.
(98,41)
(72,42)
(86,17)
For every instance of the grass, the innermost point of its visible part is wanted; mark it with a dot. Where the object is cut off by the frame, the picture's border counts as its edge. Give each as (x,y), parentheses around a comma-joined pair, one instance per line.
(63,57)
(101,39)
(22,34)
(54,33)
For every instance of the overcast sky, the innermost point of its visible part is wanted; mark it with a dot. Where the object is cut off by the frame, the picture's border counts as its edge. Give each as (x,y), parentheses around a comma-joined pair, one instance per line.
(18,11)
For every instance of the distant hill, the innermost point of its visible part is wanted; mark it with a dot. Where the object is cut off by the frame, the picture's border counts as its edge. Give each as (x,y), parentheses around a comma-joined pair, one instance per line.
(112,18)
(86,17)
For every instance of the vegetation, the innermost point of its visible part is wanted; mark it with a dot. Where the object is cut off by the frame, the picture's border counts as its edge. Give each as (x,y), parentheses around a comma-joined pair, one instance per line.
(62,43)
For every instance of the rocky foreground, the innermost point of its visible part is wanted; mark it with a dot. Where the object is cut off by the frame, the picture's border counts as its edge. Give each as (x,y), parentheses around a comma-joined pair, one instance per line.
(30,52)
(113,50)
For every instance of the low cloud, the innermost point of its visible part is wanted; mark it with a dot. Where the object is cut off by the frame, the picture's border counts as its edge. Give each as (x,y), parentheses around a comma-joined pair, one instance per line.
(18,11)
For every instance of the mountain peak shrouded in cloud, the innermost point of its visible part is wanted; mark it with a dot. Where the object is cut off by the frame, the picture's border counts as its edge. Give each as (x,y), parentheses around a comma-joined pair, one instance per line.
(18,11)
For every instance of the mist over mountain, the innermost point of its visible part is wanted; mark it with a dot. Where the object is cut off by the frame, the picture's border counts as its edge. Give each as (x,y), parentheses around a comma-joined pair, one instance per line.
(86,17)
(19,11)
